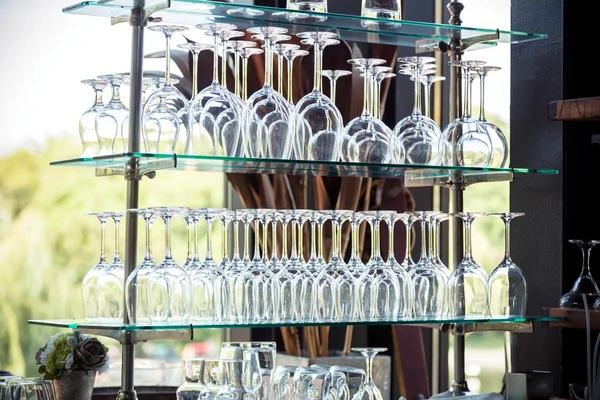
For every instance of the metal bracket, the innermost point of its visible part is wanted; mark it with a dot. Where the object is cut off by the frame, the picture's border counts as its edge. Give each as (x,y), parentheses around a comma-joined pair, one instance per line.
(122,395)
(515,327)
(134,171)
(427,45)
(140,19)
(132,337)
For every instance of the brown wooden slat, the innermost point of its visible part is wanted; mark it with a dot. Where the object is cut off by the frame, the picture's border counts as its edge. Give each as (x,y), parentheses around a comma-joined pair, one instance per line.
(585,109)
(574,318)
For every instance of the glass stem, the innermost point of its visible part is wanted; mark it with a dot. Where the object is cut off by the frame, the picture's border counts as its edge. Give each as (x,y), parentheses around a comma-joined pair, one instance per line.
(102,240)
(355,239)
(117,252)
(225,238)
(391,255)
(417,89)
(468,223)
(246,240)
(148,238)
(377,98)
(318,49)
(236,65)
(427,99)
(194,73)
(467,95)
(195,256)
(407,253)
(295,228)
(209,224)
(280,73)
(471,80)
(333,89)
(268,61)
(224,60)
(116,93)
(245,78)
(375,241)
(99,102)
(190,234)
(373,95)
(320,251)
(482,76)
(313,240)
(168,60)
(585,271)
(284,226)
(366,92)
(290,85)
(236,239)
(334,241)
(423,238)
(369,368)
(507,238)
(433,245)
(274,254)
(300,239)
(167,220)
(256,240)
(215,58)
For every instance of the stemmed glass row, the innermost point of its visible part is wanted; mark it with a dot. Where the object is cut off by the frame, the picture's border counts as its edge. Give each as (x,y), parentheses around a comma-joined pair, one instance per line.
(281,280)
(267,124)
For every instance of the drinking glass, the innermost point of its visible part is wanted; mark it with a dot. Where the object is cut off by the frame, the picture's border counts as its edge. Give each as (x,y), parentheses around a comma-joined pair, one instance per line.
(281,387)
(89,287)
(317,122)
(238,47)
(201,142)
(408,219)
(87,122)
(230,380)
(279,50)
(333,76)
(136,286)
(507,286)
(169,286)
(497,138)
(406,297)
(245,54)
(380,290)
(366,139)
(210,378)
(251,375)
(192,385)
(308,5)
(315,264)
(109,119)
(585,285)
(231,269)
(111,282)
(266,357)
(169,106)
(372,392)
(428,81)
(383,9)
(468,281)
(470,143)
(266,116)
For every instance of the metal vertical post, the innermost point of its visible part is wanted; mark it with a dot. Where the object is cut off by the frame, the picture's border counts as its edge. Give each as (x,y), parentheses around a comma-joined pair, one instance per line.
(138,21)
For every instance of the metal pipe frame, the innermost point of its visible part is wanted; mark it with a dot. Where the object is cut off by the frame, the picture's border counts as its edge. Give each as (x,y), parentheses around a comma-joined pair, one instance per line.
(138,22)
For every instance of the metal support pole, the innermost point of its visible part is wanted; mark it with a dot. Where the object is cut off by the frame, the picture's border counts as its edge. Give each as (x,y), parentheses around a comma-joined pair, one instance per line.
(138,21)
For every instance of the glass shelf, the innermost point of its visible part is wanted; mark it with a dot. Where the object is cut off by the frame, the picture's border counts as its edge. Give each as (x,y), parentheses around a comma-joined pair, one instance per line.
(413,175)
(348,27)
(82,324)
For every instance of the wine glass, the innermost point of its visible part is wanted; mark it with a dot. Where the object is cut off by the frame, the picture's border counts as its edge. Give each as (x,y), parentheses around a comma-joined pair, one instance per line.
(333,76)
(200,140)
(279,50)
(251,374)
(497,138)
(87,123)
(507,285)
(470,143)
(245,54)
(109,119)
(111,282)
(317,122)
(89,287)
(585,285)
(290,55)
(372,391)
(266,116)
(238,48)
(169,106)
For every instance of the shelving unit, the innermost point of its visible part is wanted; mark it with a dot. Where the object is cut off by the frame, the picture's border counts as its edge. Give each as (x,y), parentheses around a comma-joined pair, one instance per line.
(586,109)
(572,318)
(451,38)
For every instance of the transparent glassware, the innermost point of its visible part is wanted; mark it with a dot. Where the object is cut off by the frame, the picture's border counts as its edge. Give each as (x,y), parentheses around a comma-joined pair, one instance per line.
(366,139)
(307,5)
(238,48)
(266,351)
(372,391)
(281,383)
(585,285)
(406,297)
(408,219)
(169,286)
(335,283)
(317,122)
(192,385)
(111,282)
(468,281)
(87,121)
(311,382)
(136,286)
(352,385)
(210,378)
(230,377)
(304,280)
(380,290)
(355,264)
(497,137)
(382,9)
(314,265)
(507,285)
(279,49)
(430,284)
(290,54)
(266,116)
(470,143)
(109,119)
(201,142)
(169,107)
(245,54)
(428,81)
(251,374)
(231,270)
(333,76)
(417,134)
(89,286)
(223,291)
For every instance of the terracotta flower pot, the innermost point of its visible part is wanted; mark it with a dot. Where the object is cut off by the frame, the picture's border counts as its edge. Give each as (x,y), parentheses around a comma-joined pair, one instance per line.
(76,385)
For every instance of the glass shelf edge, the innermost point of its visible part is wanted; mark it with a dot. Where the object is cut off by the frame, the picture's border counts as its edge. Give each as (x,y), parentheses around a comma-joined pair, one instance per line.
(78,324)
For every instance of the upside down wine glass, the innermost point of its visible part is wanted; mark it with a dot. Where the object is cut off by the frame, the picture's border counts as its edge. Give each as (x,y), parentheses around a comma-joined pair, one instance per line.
(585,285)
(317,122)
(245,55)
(290,55)
(372,392)
(111,282)
(333,76)
(507,286)
(169,106)
(89,287)
(266,116)
(109,120)
(87,123)
(238,47)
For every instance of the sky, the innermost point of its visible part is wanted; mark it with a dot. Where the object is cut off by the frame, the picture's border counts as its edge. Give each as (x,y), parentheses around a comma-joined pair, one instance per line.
(46,53)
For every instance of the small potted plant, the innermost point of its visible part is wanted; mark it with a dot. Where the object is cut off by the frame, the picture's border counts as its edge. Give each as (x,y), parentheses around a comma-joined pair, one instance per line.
(72,360)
